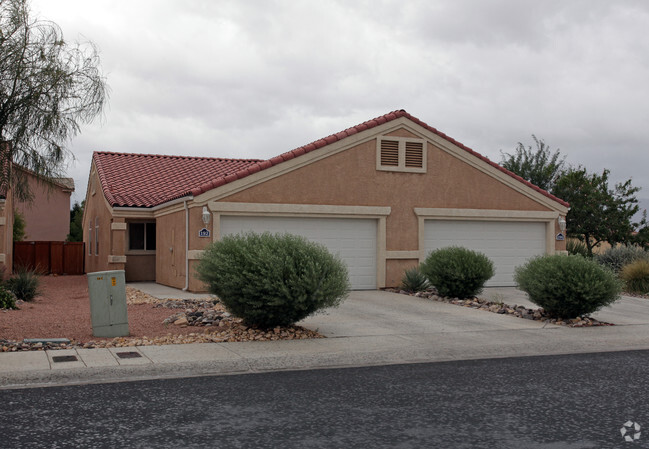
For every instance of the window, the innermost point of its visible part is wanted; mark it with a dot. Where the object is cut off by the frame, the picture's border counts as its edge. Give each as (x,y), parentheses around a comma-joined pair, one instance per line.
(141,236)
(90,238)
(401,154)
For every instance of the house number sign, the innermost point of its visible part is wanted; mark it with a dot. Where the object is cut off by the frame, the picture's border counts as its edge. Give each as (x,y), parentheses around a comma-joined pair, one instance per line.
(204,232)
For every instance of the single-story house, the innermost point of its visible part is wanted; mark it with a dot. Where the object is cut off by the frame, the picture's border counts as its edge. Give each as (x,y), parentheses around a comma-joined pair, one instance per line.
(381,194)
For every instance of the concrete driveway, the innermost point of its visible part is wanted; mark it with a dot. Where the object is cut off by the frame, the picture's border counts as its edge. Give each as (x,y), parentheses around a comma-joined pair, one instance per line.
(411,328)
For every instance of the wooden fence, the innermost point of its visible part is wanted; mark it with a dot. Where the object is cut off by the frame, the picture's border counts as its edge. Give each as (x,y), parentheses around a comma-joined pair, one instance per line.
(50,257)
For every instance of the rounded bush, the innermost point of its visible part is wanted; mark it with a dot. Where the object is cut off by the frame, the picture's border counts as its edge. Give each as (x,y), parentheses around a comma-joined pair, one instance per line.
(457,272)
(615,258)
(567,286)
(273,280)
(636,277)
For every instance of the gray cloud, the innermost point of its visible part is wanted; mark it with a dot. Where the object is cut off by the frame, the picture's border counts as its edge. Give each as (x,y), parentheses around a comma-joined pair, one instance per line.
(254,79)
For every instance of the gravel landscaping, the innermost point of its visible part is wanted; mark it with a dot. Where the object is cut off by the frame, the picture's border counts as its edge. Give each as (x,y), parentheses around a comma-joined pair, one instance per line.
(63,311)
(505,309)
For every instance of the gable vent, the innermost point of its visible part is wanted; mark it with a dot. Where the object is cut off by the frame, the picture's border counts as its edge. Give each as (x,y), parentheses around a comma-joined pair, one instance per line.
(414,154)
(401,154)
(390,152)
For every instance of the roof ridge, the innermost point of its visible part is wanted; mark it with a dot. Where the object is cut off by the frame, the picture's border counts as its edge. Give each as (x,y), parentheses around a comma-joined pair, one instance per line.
(173,156)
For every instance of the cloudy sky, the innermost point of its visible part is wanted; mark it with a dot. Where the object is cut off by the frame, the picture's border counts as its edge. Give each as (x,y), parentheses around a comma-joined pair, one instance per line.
(252,79)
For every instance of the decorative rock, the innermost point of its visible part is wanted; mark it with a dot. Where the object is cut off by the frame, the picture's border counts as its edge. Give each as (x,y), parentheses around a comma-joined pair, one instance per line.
(181,322)
(502,309)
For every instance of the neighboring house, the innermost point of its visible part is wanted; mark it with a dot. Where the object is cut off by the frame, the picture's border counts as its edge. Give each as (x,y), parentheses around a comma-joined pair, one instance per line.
(47,215)
(382,194)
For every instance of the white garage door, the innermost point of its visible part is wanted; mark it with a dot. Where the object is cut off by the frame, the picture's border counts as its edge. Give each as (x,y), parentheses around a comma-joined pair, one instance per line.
(353,239)
(507,244)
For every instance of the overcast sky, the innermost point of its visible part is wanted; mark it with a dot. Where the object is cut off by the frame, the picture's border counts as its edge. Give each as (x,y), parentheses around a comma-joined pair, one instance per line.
(253,79)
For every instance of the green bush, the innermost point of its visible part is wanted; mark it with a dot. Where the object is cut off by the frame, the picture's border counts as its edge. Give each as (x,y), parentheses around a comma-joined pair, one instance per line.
(457,272)
(636,277)
(414,280)
(7,299)
(615,258)
(574,246)
(25,284)
(271,279)
(567,286)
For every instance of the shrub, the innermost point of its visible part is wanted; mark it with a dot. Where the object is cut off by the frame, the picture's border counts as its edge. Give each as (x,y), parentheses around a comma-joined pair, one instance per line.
(414,280)
(457,272)
(636,276)
(615,258)
(574,246)
(271,279)
(567,286)
(25,284)
(7,299)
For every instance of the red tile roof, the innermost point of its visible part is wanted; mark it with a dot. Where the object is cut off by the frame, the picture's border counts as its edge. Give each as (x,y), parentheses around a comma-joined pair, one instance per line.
(149,180)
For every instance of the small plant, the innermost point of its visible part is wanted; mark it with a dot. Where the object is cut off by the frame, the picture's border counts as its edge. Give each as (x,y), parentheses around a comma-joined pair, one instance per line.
(273,279)
(457,272)
(414,280)
(25,284)
(636,277)
(568,286)
(19,226)
(574,246)
(7,299)
(615,258)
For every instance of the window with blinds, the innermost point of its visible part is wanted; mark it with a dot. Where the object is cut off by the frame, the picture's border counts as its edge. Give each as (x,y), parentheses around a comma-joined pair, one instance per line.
(401,154)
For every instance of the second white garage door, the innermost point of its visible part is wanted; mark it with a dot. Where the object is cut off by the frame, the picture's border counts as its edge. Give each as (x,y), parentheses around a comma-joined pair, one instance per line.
(507,244)
(353,239)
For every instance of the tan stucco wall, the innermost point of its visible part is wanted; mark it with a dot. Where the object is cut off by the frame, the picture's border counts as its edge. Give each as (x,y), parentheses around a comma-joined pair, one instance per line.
(351,178)
(110,242)
(395,269)
(47,216)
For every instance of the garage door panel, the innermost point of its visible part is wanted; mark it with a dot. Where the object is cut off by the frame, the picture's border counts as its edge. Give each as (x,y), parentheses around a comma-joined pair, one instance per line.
(507,244)
(354,240)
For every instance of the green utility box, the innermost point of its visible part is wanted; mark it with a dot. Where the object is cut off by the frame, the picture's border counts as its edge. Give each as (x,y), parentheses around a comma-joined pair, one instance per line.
(108,303)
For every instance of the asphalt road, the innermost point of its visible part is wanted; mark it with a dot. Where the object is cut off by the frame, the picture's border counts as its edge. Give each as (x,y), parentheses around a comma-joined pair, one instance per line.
(574,401)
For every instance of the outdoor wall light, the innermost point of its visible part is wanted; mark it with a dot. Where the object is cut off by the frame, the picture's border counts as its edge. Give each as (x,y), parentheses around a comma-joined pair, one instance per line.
(206,215)
(562,223)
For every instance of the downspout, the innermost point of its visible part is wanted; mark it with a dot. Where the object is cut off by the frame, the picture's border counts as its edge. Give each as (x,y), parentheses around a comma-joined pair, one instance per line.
(186,247)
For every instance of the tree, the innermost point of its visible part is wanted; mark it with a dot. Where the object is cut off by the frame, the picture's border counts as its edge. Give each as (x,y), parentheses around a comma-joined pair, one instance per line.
(597,213)
(76,225)
(48,88)
(541,167)
(19,227)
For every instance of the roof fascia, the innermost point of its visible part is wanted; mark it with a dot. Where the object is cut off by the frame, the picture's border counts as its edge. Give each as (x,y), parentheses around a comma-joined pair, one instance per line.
(130,212)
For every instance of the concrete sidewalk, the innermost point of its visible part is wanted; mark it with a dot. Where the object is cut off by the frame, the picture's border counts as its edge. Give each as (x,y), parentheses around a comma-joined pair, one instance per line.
(370,328)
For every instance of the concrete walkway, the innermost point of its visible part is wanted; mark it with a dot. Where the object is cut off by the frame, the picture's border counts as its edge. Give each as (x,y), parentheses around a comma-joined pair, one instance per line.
(370,328)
